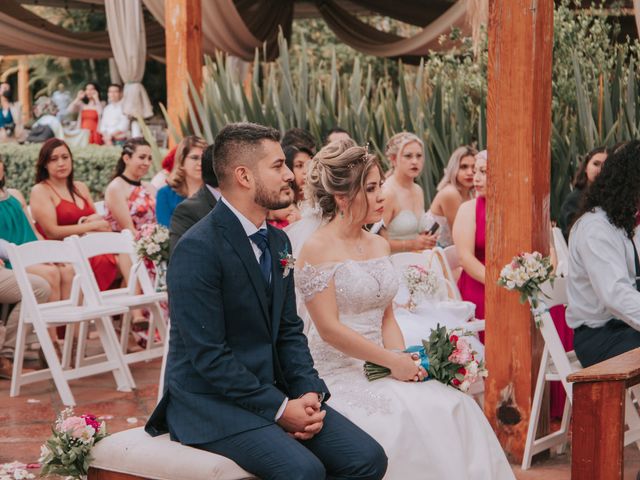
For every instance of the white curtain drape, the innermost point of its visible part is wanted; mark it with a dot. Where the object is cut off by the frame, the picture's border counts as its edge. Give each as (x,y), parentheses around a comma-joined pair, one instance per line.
(125,24)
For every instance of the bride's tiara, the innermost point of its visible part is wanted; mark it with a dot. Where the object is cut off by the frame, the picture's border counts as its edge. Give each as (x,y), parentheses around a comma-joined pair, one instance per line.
(363,158)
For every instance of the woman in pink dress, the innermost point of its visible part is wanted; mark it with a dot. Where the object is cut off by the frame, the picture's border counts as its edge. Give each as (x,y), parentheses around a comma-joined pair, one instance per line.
(469,239)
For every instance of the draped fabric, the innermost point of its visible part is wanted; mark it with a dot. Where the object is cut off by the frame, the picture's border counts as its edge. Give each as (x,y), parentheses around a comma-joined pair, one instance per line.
(23,33)
(125,24)
(238,27)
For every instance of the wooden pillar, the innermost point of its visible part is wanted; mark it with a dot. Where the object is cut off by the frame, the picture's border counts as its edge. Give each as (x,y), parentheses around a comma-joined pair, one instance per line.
(519,123)
(24,94)
(183,31)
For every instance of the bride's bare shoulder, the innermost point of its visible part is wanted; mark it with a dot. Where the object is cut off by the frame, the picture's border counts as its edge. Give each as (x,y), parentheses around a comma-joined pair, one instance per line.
(379,244)
(316,249)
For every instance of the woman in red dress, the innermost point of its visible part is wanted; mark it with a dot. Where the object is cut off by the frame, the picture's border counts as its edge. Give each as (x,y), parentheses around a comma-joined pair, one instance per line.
(88,103)
(61,206)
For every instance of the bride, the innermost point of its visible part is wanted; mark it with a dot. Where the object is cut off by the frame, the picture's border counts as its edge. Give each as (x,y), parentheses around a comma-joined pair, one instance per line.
(344,275)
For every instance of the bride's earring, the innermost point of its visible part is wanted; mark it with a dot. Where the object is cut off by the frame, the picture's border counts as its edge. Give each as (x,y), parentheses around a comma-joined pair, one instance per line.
(341,213)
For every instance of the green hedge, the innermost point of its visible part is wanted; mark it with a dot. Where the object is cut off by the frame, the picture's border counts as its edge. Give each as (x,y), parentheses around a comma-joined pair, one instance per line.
(92,165)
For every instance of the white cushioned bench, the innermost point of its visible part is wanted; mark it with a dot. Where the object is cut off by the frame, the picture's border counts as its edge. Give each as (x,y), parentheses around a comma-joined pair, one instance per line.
(133,454)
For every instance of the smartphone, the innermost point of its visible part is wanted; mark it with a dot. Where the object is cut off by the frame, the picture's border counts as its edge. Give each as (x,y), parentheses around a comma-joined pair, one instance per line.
(434,228)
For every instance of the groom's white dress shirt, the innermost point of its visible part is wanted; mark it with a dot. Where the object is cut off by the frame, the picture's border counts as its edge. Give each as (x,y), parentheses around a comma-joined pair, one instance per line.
(601,283)
(250,229)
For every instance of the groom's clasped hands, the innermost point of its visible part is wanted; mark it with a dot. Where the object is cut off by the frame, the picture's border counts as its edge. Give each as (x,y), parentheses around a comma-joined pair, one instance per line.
(302,417)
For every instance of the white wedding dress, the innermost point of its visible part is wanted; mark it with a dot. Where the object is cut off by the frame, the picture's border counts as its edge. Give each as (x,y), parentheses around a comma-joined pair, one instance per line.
(428,430)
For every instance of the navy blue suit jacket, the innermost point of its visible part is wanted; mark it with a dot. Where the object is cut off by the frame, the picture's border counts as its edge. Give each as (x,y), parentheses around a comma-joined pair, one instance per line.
(234,353)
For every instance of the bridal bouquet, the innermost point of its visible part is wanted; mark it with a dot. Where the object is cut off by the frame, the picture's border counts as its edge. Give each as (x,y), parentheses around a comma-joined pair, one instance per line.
(447,357)
(68,451)
(421,283)
(525,274)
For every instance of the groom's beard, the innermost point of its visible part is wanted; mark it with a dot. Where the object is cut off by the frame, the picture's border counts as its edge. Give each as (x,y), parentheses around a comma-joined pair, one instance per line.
(272,200)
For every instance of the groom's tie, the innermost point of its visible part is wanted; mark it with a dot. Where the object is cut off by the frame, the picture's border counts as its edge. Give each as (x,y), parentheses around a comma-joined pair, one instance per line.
(261,239)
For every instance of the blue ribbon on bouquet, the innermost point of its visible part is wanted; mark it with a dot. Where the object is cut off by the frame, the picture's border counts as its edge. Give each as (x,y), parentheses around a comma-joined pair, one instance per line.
(424,359)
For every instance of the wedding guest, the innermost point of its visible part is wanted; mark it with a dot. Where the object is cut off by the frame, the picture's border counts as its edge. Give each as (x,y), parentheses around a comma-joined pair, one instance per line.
(61,98)
(184,180)
(16,226)
(10,294)
(588,171)
(114,124)
(455,187)
(62,206)
(300,138)
(7,119)
(604,270)
(469,239)
(297,159)
(89,106)
(194,208)
(130,201)
(335,134)
(159,180)
(283,217)
(404,219)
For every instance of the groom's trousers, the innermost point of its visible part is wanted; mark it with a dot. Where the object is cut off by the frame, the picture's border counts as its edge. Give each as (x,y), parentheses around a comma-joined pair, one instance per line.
(340,451)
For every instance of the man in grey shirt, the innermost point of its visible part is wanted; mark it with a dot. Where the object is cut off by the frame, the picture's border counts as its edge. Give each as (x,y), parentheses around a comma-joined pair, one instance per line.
(602,288)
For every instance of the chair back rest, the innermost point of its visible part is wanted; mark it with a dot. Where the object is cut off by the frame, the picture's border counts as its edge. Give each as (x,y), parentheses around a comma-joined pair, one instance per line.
(402,260)
(100,208)
(43,251)
(451,254)
(120,243)
(447,270)
(551,297)
(562,252)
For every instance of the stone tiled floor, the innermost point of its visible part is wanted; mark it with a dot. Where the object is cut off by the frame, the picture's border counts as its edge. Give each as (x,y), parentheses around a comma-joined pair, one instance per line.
(25,420)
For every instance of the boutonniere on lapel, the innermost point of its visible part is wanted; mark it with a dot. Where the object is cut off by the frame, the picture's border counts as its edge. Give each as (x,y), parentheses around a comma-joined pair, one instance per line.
(287,262)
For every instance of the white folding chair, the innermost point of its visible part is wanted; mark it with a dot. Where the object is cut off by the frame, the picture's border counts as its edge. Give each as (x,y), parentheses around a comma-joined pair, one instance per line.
(562,252)
(79,309)
(451,254)
(122,243)
(443,258)
(100,208)
(556,365)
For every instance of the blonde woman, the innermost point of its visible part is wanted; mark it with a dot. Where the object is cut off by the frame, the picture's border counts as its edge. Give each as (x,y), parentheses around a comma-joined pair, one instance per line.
(403,217)
(455,187)
(184,180)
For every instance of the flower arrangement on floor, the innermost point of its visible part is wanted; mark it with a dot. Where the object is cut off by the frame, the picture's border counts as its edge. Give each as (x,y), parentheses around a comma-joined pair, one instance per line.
(68,451)
(447,357)
(525,274)
(422,283)
(16,471)
(152,244)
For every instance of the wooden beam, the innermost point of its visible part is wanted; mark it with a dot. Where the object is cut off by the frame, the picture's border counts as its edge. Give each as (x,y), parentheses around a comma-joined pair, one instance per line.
(183,30)
(519,123)
(24,94)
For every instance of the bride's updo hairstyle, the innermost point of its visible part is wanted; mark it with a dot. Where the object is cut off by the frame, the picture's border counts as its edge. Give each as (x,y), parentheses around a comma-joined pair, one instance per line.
(340,168)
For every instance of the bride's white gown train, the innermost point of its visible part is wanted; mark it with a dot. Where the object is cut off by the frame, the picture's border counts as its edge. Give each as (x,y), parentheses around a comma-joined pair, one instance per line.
(428,430)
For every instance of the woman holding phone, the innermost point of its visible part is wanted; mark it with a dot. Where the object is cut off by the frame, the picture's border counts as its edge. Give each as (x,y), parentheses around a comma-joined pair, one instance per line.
(405,223)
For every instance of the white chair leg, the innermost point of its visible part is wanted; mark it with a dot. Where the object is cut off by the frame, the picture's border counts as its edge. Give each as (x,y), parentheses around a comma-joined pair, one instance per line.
(125,330)
(564,425)
(83,335)
(631,416)
(121,373)
(55,367)
(535,410)
(157,322)
(67,346)
(18,357)
(165,355)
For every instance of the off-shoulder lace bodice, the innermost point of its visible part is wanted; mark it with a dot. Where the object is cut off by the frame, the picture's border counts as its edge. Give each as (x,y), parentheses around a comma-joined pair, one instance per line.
(363,290)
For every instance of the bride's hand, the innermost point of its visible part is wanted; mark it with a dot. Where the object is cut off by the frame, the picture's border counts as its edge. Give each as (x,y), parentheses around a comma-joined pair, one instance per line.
(406,370)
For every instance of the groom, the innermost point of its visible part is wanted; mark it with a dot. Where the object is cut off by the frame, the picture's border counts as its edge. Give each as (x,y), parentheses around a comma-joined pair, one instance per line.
(240,380)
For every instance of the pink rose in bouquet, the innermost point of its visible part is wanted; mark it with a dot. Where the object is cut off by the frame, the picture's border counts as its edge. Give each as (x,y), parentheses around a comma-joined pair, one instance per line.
(463,352)
(74,426)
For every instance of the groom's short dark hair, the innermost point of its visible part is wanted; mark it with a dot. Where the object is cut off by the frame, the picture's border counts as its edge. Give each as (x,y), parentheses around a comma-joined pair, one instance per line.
(238,143)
